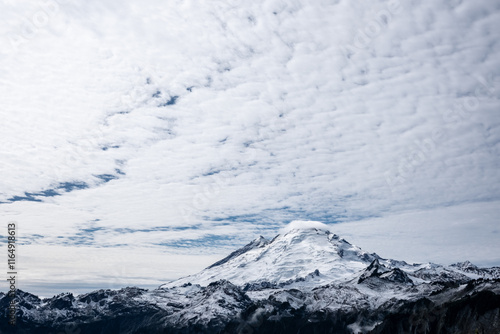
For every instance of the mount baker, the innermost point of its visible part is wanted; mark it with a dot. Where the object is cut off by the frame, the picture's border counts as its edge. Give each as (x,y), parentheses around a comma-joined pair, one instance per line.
(307,280)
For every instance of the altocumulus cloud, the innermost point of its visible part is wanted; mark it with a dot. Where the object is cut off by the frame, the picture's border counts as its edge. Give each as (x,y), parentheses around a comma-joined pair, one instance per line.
(185,129)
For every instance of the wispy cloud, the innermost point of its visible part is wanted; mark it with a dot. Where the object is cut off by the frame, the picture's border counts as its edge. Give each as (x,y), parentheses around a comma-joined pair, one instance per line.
(178,124)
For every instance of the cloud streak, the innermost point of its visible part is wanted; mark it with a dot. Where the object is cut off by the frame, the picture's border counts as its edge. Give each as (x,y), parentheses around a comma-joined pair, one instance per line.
(193,128)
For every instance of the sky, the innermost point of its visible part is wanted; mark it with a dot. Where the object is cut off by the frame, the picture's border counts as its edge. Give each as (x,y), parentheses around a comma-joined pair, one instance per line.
(142,141)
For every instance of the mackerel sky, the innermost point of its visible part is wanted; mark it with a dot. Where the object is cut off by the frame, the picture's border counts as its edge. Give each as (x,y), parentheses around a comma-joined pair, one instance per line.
(141,141)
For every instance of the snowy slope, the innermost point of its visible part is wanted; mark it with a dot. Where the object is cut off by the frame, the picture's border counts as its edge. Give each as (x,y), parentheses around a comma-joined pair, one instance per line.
(311,257)
(288,257)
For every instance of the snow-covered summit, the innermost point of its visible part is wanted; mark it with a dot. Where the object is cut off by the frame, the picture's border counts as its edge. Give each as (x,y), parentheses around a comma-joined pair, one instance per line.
(308,254)
(288,257)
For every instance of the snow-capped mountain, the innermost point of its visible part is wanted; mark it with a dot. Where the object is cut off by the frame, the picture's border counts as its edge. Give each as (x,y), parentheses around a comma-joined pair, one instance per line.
(289,257)
(314,256)
(306,280)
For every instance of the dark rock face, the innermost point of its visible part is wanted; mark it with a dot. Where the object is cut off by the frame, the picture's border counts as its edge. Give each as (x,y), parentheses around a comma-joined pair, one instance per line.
(479,313)
(397,275)
(378,270)
(62,301)
(375,269)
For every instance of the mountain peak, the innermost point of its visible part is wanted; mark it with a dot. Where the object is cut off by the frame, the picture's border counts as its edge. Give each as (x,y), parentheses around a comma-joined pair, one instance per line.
(466,265)
(303,249)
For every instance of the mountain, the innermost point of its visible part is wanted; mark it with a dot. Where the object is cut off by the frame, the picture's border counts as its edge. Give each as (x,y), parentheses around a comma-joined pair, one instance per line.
(312,257)
(306,280)
(287,258)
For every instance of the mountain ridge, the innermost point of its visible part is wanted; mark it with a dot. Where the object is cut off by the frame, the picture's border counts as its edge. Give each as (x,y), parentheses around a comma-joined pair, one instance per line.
(287,256)
(314,249)
(306,280)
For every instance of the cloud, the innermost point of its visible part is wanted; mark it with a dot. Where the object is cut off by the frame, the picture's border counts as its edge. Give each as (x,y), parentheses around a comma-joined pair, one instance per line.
(232,121)
(304,225)
(443,235)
